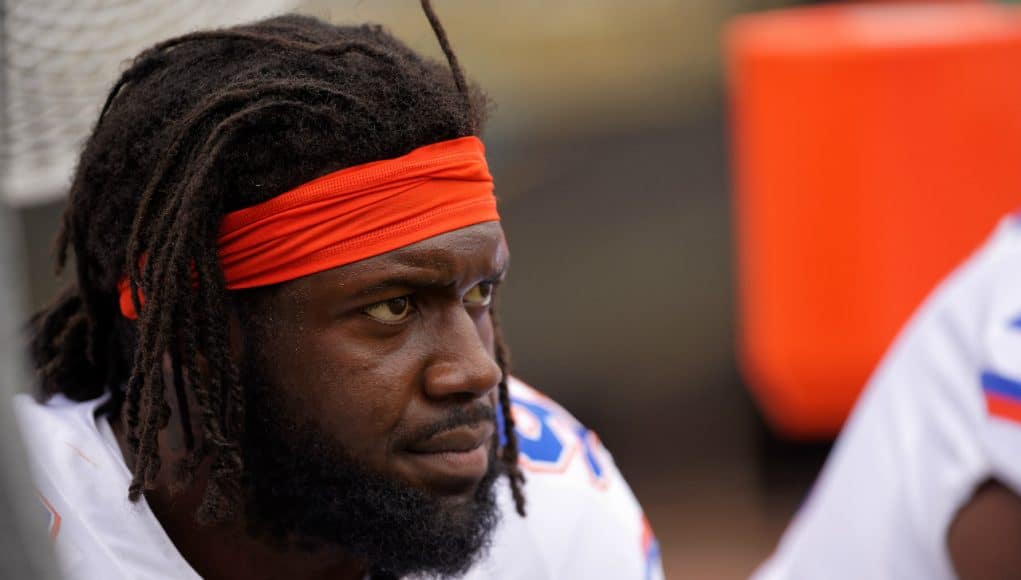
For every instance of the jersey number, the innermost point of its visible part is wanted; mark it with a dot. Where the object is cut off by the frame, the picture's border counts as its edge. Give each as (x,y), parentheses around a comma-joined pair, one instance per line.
(549,441)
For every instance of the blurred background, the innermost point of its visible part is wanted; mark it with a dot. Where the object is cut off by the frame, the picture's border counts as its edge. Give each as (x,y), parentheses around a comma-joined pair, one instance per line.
(612,149)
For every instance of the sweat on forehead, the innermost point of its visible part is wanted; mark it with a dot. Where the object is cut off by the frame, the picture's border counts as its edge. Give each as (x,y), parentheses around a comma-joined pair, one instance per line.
(466,255)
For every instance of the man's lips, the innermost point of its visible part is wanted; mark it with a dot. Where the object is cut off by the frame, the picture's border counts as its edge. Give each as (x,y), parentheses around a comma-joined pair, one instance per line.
(457,440)
(452,461)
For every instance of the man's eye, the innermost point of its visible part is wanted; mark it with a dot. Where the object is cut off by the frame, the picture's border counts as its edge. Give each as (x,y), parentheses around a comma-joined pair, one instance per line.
(481,294)
(392,310)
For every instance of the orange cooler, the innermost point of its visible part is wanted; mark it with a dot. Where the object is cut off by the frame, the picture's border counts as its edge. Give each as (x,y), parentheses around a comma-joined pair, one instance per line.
(874,147)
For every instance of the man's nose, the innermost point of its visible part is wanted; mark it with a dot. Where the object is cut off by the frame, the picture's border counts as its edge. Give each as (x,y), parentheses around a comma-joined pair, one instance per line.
(461,365)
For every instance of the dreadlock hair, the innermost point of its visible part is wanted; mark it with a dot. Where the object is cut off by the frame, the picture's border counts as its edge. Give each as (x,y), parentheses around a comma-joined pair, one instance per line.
(199,126)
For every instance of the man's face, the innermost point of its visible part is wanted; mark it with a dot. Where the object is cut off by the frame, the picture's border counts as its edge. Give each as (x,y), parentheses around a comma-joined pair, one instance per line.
(372,394)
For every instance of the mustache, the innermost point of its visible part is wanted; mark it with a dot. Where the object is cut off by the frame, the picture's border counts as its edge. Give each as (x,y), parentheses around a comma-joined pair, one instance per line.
(456,417)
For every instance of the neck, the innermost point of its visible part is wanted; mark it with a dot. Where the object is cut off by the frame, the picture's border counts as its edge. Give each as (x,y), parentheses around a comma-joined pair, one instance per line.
(227,551)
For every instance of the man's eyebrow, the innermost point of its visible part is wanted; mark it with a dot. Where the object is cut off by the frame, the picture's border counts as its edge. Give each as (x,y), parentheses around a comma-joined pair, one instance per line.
(402,282)
(420,282)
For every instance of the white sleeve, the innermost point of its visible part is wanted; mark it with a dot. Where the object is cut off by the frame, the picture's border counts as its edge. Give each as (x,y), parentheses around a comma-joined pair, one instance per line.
(916,445)
(612,539)
(582,515)
(1000,381)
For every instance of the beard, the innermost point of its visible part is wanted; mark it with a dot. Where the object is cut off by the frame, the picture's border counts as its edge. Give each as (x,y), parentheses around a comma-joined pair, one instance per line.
(303,490)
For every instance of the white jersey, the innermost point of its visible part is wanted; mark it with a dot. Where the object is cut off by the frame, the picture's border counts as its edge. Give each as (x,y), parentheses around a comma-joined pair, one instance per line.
(941,415)
(583,521)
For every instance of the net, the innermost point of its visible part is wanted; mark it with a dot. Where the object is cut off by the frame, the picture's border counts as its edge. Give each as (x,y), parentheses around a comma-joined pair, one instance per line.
(60,59)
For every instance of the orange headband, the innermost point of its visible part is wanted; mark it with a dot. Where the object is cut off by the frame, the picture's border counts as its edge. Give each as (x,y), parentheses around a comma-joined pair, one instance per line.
(353,214)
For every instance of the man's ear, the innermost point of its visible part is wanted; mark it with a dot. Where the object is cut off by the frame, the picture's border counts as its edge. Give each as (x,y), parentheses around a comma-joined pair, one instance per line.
(181,431)
(244,309)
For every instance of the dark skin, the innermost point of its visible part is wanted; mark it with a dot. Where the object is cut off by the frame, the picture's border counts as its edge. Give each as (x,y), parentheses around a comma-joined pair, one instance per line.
(984,539)
(374,353)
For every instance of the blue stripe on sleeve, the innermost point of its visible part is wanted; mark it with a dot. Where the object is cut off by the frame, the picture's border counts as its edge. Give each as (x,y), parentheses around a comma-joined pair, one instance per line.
(1000,385)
